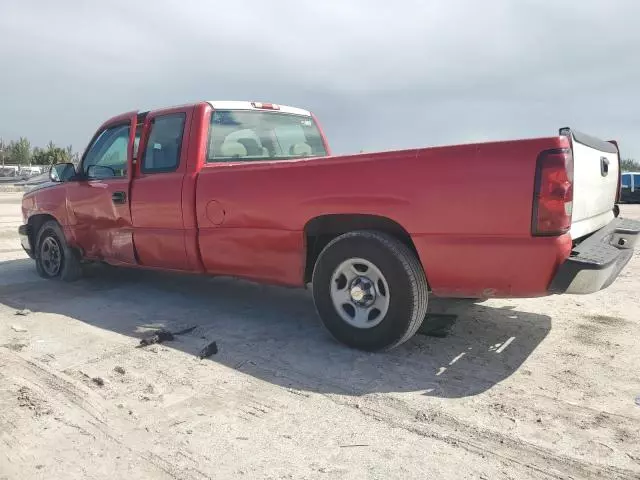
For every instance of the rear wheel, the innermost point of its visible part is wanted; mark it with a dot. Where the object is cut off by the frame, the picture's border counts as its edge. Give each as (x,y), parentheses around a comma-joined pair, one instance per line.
(54,258)
(370,290)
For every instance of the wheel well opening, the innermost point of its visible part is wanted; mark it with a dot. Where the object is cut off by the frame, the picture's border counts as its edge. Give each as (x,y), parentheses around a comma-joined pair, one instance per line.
(321,230)
(35,222)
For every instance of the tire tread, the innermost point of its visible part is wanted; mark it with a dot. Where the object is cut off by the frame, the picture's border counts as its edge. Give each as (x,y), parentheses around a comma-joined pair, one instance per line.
(72,267)
(412,267)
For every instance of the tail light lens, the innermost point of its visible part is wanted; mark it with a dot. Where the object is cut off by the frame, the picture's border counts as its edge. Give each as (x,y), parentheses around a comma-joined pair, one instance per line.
(553,193)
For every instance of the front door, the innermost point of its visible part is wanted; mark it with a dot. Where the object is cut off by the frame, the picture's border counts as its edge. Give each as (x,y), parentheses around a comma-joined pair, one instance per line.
(99,200)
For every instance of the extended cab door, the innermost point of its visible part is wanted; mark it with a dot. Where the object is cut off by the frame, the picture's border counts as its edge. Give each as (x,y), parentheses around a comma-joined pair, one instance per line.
(98,202)
(157,188)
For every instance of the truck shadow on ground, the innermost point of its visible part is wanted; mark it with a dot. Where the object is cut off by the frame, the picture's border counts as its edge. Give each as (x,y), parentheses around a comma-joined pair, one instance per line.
(273,333)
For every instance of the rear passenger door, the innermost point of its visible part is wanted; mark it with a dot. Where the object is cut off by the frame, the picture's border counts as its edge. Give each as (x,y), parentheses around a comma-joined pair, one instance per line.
(156,192)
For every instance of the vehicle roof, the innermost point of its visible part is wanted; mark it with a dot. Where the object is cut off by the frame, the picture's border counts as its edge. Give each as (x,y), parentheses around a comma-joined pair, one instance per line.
(243,105)
(630,173)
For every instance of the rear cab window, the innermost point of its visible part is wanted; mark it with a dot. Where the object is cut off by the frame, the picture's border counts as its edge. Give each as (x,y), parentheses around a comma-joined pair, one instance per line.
(248,135)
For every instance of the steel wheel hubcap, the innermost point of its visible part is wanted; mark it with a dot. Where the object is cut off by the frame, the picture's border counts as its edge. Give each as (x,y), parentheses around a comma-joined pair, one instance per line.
(50,256)
(360,293)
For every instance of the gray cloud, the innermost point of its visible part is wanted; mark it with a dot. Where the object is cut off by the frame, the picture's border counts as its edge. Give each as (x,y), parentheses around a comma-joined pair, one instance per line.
(379,75)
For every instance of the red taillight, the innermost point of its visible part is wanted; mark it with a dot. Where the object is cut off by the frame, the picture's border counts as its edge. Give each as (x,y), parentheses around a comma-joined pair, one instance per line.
(553,193)
(265,106)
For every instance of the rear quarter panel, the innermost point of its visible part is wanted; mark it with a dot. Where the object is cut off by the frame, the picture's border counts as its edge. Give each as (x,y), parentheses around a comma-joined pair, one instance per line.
(467,208)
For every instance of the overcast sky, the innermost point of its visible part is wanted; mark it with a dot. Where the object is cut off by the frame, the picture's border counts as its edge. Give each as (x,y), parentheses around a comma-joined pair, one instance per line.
(379,74)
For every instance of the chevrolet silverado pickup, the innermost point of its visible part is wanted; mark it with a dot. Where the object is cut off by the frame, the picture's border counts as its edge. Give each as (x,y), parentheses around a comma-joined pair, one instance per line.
(251,190)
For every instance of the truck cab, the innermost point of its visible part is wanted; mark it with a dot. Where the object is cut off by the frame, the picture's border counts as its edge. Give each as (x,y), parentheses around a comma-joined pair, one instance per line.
(132,199)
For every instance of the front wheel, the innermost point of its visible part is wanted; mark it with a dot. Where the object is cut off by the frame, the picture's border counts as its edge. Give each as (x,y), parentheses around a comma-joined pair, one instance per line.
(370,290)
(54,258)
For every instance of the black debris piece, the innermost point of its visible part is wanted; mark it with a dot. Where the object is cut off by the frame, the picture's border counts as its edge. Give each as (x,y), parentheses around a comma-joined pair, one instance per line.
(119,370)
(158,336)
(163,335)
(208,350)
(98,381)
(24,312)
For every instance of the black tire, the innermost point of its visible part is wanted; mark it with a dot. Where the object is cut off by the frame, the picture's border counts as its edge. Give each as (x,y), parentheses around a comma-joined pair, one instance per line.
(50,236)
(408,290)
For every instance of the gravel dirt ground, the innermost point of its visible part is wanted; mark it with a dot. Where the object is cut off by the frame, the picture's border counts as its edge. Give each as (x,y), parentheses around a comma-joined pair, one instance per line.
(519,389)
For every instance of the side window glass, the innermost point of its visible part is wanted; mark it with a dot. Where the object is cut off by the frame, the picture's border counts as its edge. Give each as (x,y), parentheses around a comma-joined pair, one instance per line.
(636,182)
(164,144)
(107,157)
(626,180)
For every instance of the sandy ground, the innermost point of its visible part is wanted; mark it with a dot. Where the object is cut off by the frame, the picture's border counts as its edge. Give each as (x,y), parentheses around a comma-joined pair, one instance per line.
(520,389)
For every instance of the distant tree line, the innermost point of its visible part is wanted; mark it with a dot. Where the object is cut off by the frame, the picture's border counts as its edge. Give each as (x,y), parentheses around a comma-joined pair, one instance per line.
(629,165)
(20,152)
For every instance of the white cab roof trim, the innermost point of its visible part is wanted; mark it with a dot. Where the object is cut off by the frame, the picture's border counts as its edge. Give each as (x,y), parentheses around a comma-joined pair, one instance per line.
(239,105)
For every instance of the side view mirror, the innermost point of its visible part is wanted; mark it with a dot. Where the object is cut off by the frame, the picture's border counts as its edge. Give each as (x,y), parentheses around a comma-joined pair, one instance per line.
(62,172)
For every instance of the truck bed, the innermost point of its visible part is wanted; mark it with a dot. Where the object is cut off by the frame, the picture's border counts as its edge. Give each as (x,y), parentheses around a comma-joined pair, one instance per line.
(467,208)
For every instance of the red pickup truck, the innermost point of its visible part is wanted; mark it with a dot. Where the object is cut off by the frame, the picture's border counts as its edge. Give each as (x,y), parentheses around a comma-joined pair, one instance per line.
(251,190)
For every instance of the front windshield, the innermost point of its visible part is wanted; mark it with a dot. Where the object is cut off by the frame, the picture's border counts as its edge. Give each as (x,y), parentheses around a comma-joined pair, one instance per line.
(249,135)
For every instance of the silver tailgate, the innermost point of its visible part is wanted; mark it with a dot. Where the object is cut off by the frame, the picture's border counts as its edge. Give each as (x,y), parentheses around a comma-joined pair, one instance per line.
(595,183)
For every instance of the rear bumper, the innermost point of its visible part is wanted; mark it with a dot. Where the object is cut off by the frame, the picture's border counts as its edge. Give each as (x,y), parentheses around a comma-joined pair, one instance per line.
(596,262)
(24,231)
